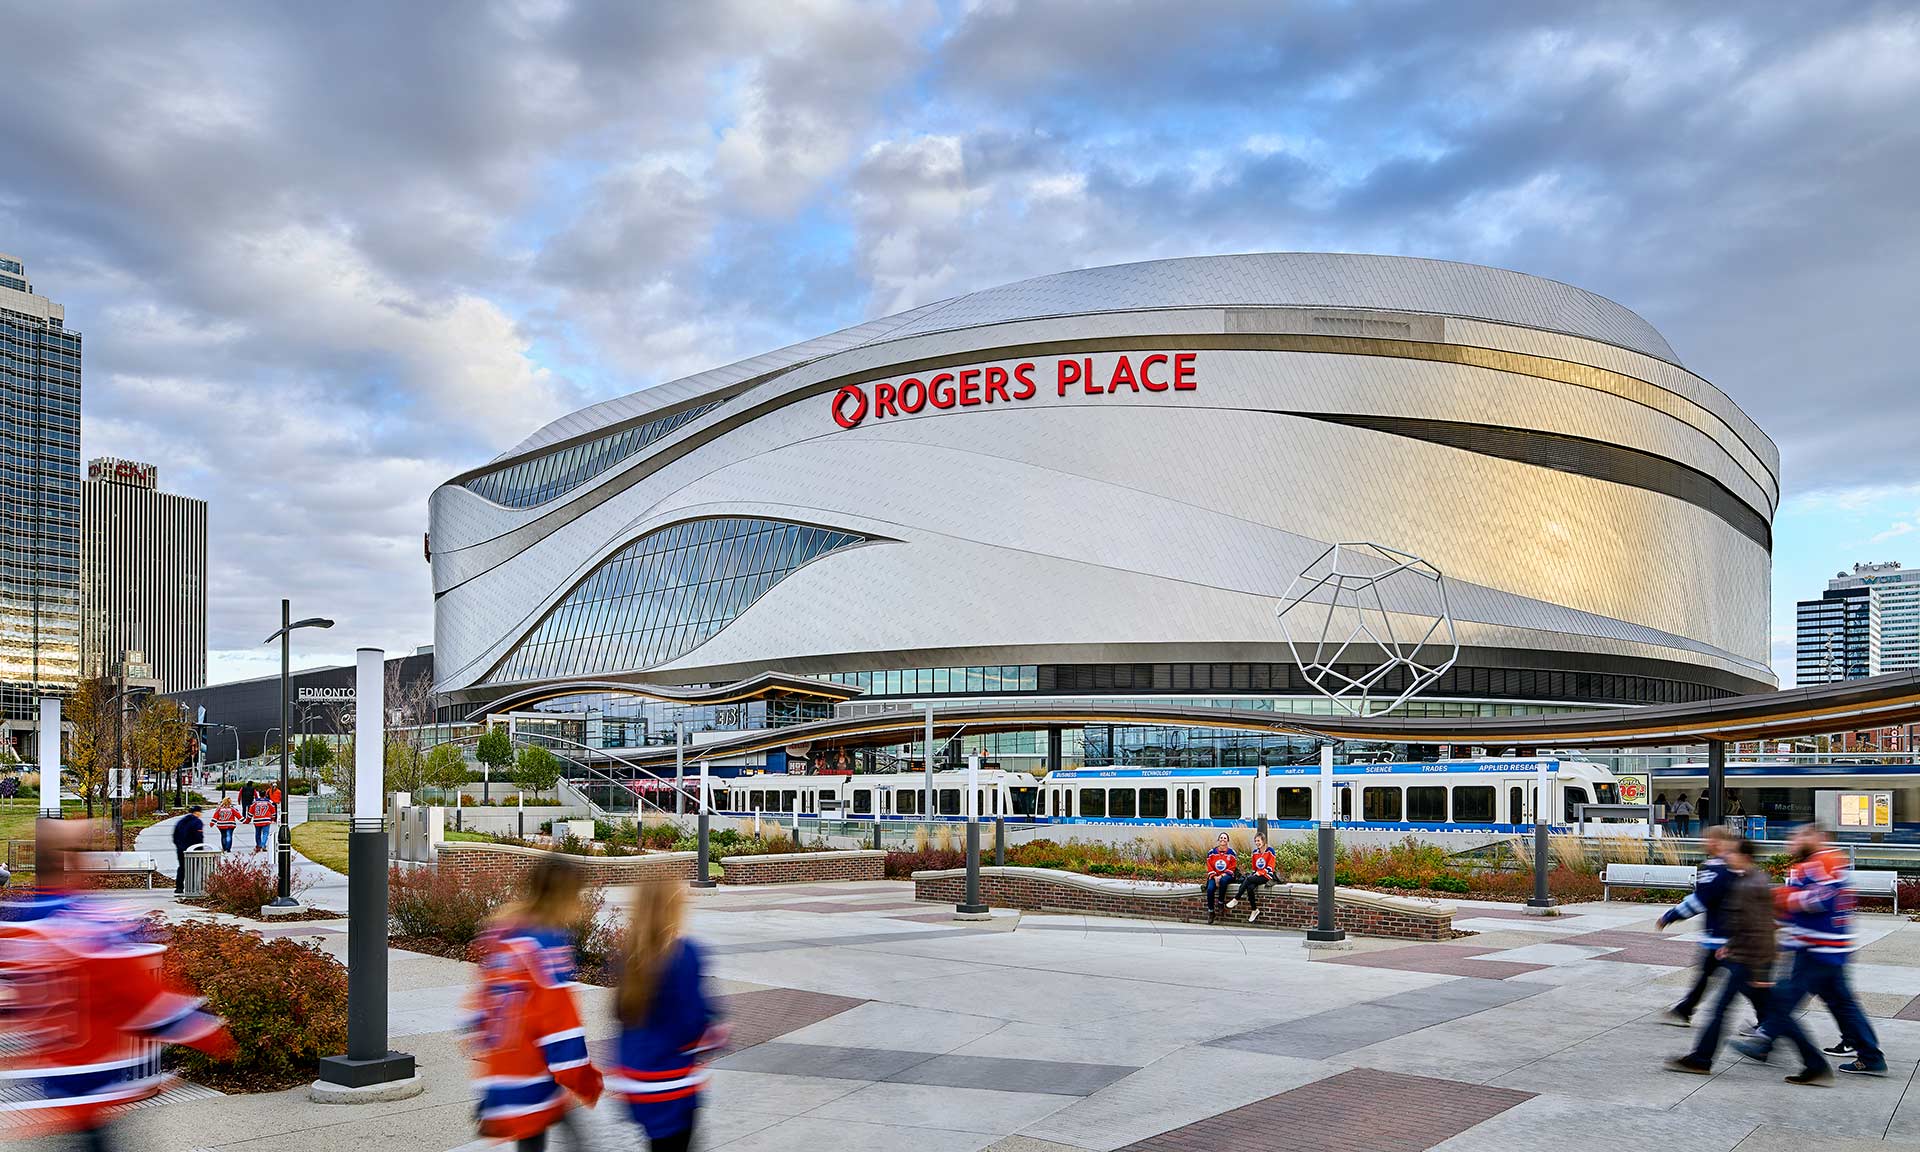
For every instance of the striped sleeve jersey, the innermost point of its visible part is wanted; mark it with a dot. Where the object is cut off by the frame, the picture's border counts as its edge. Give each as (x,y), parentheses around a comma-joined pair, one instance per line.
(530,1047)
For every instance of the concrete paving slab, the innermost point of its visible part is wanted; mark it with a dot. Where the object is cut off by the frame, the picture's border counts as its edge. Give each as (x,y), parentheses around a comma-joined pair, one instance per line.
(773,1093)
(1571,1124)
(1011,1075)
(809,1132)
(1179,1089)
(823,1060)
(1853,1106)
(931,1106)
(1776,1138)
(896,1026)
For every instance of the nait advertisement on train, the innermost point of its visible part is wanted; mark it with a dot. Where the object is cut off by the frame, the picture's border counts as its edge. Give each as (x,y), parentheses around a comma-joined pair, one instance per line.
(1106,375)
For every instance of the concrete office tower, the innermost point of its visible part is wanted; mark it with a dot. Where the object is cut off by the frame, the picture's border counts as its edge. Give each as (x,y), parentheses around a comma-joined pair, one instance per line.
(144,583)
(39,506)
(1894,594)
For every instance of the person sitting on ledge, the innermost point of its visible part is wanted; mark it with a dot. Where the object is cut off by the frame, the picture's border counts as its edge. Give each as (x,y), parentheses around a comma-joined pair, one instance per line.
(1222,871)
(1266,869)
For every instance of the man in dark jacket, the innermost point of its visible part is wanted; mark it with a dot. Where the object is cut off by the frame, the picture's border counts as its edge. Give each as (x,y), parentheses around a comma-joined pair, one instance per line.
(1747,956)
(246,795)
(1709,900)
(187,831)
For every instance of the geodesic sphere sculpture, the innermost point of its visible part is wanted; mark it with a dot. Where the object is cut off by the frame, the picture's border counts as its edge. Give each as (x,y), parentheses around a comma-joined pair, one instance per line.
(1364,619)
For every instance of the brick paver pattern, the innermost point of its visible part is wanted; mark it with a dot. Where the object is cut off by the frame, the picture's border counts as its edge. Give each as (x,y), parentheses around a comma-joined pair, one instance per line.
(1358,1111)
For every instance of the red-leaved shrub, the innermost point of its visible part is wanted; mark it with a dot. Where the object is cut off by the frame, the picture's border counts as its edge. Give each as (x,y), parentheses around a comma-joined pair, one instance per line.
(239,885)
(904,863)
(440,905)
(284,1002)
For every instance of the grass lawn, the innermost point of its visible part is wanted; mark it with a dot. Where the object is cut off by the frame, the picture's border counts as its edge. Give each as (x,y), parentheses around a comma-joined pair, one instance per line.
(324,842)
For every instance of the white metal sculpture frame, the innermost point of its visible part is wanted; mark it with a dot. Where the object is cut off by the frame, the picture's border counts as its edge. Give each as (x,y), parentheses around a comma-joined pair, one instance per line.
(1336,604)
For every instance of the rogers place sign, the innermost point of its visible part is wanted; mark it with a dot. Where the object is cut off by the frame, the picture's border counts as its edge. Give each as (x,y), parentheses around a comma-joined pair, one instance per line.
(995,384)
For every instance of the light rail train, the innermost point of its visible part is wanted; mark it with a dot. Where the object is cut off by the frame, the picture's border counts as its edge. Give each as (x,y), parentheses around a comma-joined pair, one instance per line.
(1480,795)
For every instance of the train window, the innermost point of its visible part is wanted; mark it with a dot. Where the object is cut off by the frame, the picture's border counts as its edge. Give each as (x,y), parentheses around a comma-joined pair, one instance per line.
(1193,803)
(1120,803)
(1153,803)
(904,803)
(1382,804)
(1427,804)
(863,801)
(1023,801)
(1293,804)
(1574,796)
(1223,803)
(1093,801)
(949,799)
(757,800)
(1346,803)
(1516,805)
(1473,804)
(1180,805)
(1055,801)
(1066,803)
(786,800)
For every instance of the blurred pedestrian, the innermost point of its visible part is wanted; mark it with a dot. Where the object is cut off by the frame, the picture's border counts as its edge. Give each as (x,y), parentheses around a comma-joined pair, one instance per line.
(527,1039)
(84,1003)
(189,831)
(1744,910)
(1817,905)
(667,1025)
(1708,899)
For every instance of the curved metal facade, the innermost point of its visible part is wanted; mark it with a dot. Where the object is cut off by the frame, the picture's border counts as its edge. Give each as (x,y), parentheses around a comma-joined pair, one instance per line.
(1126,466)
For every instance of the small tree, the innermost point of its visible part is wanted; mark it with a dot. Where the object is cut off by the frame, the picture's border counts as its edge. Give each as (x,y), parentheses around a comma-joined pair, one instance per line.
(311,755)
(90,752)
(406,768)
(446,767)
(494,749)
(537,770)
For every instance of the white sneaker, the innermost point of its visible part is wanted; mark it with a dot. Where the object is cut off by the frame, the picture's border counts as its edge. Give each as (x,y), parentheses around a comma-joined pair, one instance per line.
(1234,903)
(1254,916)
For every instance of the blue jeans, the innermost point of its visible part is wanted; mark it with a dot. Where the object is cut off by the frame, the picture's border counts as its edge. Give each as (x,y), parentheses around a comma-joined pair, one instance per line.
(260,836)
(1821,974)
(1218,885)
(1739,983)
(226,839)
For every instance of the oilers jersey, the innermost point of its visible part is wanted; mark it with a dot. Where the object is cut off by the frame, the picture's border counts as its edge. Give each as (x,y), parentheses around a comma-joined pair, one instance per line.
(529,1045)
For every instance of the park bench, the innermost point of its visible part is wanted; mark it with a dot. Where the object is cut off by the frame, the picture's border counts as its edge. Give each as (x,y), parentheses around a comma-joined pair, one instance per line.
(116,863)
(1647,876)
(1877,883)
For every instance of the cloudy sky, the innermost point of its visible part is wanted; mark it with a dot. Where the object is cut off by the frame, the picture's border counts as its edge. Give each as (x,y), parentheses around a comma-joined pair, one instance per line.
(325,256)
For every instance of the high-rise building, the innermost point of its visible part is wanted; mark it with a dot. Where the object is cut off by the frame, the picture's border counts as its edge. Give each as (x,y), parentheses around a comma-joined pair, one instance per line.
(144,576)
(1837,637)
(39,505)
(1896,598)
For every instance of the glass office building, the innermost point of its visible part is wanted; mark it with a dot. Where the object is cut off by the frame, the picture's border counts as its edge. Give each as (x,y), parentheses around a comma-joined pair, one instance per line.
(39,504)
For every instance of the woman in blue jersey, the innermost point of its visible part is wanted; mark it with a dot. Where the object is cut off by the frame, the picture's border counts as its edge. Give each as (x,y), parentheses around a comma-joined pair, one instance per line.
(667,1026)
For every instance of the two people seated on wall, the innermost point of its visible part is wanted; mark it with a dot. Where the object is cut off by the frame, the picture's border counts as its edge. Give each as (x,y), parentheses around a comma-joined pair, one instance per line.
(1265,870)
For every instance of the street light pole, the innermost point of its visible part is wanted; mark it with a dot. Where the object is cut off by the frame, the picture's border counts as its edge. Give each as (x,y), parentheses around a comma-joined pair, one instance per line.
(283,899)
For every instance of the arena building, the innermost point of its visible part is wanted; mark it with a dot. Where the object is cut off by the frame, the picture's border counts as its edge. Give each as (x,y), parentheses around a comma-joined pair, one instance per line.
(1101,483)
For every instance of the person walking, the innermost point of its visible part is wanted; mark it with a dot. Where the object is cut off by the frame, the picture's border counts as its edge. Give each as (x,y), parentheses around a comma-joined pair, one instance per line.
(529,1047)
(226,818)
(1745,914)
(1817,905)
(1683,817)
(1708,899)
(246,795)
(667,1025)
(260,814)
(1222,870)
(188,831)
(1265,869)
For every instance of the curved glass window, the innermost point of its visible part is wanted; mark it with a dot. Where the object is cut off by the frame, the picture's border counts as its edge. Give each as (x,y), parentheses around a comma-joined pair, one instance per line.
(555,474)
(664,594)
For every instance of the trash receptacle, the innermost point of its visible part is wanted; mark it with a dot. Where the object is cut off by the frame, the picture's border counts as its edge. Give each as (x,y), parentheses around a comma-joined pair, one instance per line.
(200,860)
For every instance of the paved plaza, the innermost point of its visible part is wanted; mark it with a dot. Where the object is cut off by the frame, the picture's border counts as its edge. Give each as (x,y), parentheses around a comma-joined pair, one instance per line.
(864,1020)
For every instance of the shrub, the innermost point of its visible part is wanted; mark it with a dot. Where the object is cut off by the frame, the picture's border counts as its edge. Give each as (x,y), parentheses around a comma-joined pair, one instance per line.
(439,905)
(902,864)
(284,1002)
(239,885)
(665,836)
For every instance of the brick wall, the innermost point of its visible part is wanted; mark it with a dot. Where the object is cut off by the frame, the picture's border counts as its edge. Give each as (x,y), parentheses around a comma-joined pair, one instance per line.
(801,867)
(508,861)
(1281,906)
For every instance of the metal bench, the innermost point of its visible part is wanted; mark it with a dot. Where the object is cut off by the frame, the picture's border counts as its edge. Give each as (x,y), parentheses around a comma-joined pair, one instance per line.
(1877,883)
(1647,876)
(112,863)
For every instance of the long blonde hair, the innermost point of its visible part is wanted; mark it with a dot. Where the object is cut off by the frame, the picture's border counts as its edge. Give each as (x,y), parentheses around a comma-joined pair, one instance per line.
(658,911)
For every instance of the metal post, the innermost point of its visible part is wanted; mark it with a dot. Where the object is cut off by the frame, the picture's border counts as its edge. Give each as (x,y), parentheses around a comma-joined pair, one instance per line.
(700,877)
(1716,812)
(120,757)
(50,757)
(1260,801)
(369,1071)
(283,897)
(999,841)
(1054,741)
(926,799)
(679,766)
(876,831)
(1542,826)
(1326,930)
(972,905)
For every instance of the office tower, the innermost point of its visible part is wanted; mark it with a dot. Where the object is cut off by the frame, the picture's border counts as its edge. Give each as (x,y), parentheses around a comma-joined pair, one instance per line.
(143,577)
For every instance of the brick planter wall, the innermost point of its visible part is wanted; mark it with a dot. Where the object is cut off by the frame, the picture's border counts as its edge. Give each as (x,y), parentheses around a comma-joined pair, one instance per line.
(801,867)
(1281,905)
(509,861)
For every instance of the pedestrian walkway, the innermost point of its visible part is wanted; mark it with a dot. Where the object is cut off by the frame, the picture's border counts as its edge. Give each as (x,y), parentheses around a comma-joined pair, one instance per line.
(864,1020)
(328,889)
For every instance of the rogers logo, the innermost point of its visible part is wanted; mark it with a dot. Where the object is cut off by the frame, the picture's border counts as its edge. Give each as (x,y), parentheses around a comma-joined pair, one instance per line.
(1156,372)
(851,393)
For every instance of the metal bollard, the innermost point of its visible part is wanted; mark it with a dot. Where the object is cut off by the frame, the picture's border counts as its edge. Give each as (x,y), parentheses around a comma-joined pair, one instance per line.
(876,833)
(523,824)
(999,841)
